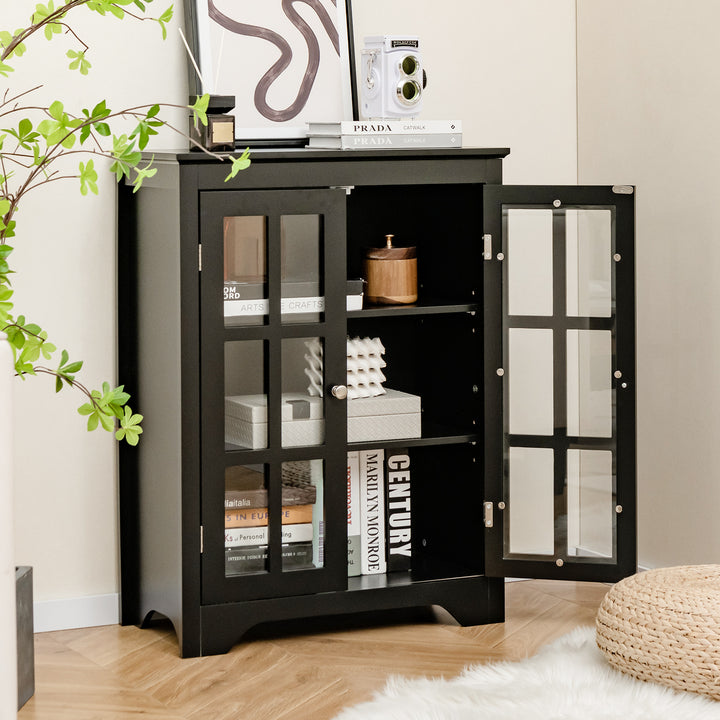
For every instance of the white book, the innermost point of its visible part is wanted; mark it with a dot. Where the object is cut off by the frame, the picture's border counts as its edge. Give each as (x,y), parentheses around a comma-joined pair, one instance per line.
(372,512)
(318,522)
(384,127)
(367,142)
(353,513)
(237,537)
(290,306)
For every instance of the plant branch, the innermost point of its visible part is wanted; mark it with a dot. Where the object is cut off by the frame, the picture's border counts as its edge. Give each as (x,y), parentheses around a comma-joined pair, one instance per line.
(70,380)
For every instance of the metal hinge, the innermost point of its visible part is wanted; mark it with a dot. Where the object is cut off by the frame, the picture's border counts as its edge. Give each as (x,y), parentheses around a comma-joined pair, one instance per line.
(200,257)
(202,539)
(623,189)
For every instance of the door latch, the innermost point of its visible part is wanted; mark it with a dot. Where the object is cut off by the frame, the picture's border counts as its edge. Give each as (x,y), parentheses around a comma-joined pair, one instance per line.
(488,514)
(487,247)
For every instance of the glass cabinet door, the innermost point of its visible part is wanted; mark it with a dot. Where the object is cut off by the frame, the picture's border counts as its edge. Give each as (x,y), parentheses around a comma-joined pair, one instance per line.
(560,376)
(273,344)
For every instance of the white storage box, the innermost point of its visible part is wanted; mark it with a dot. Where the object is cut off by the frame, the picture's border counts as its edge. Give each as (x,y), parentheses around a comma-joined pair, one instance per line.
(391,416)
(246,420)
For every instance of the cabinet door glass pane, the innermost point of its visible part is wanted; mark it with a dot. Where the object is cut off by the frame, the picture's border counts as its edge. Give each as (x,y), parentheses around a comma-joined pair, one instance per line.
(245,270)
(530,502)
(246,412)
(303,412)
(589,262)
(529,245)
(530,394)
(303,515)
(590,504)
(246,519)
(589,383)
(302,292)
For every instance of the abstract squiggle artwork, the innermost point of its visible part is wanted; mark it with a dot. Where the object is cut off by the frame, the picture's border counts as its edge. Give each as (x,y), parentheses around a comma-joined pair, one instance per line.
(287,62)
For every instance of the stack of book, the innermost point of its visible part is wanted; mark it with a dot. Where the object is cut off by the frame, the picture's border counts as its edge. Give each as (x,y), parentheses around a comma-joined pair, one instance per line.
(379,513)
(369,134)
(246,519)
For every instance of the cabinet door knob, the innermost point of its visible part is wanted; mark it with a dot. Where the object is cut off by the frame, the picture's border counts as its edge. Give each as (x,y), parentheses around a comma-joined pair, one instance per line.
(339,391)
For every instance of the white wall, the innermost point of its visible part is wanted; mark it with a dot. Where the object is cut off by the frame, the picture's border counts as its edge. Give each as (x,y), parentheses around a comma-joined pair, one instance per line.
(506,68)
(649,73)
(66,480)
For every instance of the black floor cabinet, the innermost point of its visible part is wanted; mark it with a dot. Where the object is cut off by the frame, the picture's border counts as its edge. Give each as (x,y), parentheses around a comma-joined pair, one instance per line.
(235,312)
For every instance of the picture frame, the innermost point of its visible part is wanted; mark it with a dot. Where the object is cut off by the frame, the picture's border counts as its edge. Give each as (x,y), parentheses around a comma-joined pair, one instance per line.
(286,62)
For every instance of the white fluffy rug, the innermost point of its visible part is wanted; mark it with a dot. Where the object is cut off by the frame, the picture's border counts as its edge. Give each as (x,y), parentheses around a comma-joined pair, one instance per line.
(567,680)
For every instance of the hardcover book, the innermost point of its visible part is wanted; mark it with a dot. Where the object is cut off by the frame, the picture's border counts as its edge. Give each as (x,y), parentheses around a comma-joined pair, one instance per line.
(372,513)
(239,537)
(353,513)
(384,127)
(245,487)
(398,510)
(366,142)
(253,558)
(256,517)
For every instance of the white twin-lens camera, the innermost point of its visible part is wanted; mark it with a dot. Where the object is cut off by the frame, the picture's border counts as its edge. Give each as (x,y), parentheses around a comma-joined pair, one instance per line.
(392,78)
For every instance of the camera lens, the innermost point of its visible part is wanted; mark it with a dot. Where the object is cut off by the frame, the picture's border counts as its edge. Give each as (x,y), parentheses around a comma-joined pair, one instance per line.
(408,92)
(409,64)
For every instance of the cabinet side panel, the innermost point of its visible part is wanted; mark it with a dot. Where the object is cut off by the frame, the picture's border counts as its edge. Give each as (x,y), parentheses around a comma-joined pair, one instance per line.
(157,354)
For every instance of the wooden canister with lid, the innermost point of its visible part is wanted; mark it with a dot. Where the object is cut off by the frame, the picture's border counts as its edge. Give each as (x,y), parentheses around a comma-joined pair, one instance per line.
(391,274)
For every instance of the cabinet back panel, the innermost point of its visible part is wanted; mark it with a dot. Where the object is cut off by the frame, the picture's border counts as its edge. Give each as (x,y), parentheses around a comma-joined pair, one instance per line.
(447,511)
(438,357)
(443,222)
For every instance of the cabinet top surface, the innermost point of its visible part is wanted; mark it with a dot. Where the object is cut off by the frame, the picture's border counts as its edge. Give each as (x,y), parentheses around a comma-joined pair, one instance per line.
(307,154)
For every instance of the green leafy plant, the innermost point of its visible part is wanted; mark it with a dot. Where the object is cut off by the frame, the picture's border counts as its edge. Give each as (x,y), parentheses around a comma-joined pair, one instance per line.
(33,138)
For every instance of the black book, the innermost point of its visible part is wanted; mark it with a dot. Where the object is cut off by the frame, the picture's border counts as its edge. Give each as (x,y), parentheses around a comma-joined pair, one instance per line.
(253,558)
(398,510)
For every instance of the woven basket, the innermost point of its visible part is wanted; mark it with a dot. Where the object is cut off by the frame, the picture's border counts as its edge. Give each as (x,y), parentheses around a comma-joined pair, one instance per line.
(664,626)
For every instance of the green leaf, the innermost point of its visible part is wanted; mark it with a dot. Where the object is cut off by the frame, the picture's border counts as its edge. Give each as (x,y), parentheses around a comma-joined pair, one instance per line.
(88,178)
(100,111)
(141,174)
(199,108)
(130,429)
(56,110)
(239,163)
(78,61)
(86,409)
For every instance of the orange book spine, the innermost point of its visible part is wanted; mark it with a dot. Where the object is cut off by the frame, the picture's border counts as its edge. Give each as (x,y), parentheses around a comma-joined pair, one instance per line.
(258,517)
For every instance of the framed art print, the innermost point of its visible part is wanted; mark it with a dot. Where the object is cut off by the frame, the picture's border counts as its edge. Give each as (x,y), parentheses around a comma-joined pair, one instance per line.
(287,62)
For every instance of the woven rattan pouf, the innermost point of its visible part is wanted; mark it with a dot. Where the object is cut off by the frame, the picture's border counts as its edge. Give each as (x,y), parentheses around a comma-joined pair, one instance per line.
(664,626)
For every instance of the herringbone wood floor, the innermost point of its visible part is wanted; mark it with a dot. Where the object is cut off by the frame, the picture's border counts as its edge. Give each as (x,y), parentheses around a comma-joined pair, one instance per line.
(118,673)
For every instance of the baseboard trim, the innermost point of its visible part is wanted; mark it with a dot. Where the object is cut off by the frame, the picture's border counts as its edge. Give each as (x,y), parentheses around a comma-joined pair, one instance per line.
(79,612)
(97,610)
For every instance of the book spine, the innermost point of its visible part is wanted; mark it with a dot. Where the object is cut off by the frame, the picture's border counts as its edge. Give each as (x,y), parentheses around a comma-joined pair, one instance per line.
(318,513)
(288,306)
(353,514)
(372,516)
(256,517)
(438,140)
(240,537)
(398,511)
(385,127)
(253,558)
(239,500)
